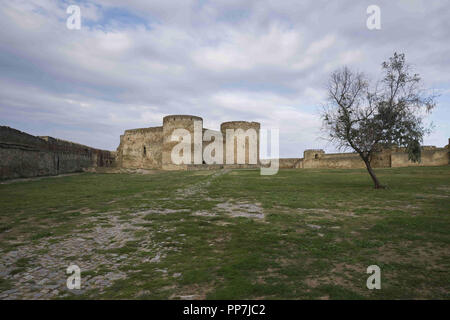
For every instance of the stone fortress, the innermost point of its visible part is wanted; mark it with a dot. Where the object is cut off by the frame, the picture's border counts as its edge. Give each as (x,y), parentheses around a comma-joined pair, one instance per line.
(151,148)
(23,155)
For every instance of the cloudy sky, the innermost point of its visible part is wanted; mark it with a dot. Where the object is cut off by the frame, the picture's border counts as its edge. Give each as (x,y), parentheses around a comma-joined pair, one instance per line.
(132,62)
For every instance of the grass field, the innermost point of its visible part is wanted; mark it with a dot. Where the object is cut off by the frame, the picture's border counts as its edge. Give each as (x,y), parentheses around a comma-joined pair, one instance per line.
(301,234)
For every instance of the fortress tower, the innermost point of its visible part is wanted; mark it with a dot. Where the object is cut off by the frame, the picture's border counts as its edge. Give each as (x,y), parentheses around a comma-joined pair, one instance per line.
(174,122)
(245,139)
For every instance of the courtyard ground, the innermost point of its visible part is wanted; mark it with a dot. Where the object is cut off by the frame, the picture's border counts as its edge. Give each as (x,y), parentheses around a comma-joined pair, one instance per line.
(230,234)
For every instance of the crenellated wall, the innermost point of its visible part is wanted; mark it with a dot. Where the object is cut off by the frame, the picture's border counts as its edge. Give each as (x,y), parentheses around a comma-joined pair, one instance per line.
(23,155)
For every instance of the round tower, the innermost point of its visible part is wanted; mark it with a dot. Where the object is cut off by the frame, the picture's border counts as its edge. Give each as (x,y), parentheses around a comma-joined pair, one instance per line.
(244,137)
(193,126)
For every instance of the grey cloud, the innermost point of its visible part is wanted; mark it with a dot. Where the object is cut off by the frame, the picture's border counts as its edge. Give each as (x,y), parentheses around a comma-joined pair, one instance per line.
(223,60)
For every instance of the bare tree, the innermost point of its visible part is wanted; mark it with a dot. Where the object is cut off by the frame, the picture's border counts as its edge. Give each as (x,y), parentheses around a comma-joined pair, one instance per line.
(368,118)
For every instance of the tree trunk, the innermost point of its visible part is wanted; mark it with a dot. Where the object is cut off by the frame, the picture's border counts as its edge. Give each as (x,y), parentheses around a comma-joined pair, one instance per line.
(372,175)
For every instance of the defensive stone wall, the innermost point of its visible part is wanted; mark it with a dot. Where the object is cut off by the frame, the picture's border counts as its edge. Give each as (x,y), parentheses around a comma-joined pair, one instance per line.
(151,148)
(290,163)
(430,157)
(396,157)
(141,148)
(319,159)
(23,155)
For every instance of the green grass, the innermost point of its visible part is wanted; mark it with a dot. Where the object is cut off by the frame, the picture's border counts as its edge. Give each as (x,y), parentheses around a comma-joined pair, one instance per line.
(404,229)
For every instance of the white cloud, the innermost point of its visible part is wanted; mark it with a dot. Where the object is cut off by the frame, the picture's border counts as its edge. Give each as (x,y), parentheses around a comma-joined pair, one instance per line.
(224,60)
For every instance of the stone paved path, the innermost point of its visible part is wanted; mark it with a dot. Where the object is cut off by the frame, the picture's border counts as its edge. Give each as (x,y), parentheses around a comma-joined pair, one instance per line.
(46,260)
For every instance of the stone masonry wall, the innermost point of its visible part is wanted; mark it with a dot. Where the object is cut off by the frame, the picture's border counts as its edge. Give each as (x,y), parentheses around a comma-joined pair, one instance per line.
(290,163)
(431,156)
(240,140)
(141,148)
(174,122)
(23,155)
